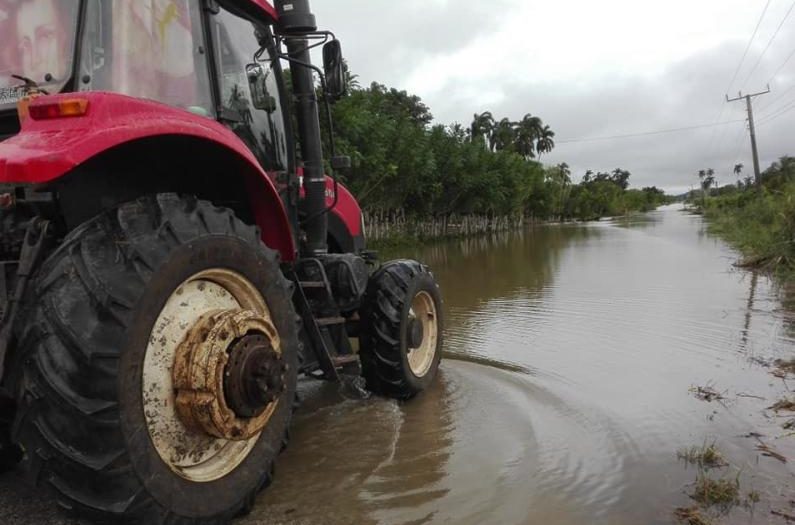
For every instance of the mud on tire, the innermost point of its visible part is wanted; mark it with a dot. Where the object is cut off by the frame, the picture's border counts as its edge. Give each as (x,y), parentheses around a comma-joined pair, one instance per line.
(87,323)
(385,329)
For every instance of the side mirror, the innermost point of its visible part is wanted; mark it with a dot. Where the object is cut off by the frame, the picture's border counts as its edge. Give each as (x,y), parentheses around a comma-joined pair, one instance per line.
(257,80)
(334,68)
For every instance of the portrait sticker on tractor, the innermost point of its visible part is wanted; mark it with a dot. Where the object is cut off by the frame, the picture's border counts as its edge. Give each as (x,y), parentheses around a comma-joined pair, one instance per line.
(36,45)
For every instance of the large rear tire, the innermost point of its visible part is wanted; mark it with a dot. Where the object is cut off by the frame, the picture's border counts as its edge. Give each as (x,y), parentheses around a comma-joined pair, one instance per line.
(10,454)
(106,416)
(401,330)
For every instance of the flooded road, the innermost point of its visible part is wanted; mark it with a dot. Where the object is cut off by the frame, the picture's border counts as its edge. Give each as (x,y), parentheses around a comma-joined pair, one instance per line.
(566,390)
(564,396)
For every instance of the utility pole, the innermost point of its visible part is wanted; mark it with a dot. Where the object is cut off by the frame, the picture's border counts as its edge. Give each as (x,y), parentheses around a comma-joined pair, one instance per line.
(749,103)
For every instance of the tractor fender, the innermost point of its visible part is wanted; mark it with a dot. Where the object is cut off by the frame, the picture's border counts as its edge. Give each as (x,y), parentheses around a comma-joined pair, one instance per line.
(345,219)
(46,150)
(345,226)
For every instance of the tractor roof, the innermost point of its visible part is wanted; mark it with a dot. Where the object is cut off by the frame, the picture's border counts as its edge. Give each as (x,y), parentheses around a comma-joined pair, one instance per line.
(267,7)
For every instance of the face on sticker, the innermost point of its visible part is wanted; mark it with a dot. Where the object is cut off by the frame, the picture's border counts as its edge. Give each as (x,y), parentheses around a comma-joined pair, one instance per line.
(40,39)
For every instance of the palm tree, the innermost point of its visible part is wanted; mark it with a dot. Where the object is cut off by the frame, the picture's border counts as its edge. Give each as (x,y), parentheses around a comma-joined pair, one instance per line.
(621,178)
(563,177)
(738,169)
(503,136)
(545,143)
(527,132)
(707,181)
(702,174)
(483,127)
(711,178)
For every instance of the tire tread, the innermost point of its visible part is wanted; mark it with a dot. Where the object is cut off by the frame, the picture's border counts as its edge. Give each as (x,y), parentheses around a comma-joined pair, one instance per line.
(384,303)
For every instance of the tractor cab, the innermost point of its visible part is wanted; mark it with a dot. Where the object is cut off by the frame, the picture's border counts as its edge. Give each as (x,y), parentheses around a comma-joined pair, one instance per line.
(222,66)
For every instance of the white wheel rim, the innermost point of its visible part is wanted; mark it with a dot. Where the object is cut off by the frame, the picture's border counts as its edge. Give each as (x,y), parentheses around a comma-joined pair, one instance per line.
(423,310)
(193,455)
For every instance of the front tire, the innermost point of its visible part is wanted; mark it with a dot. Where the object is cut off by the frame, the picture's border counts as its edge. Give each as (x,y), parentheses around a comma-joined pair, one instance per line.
(401,339)
(98,414)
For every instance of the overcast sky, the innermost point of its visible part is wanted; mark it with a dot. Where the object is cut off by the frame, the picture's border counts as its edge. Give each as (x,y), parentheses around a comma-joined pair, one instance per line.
(590,69)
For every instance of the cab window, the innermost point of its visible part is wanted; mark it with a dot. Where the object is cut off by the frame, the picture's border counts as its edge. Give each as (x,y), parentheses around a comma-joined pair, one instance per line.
(251,101)
(150,49)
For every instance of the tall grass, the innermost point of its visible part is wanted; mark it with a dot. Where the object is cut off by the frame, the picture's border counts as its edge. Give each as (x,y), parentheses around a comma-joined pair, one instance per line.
(760,223)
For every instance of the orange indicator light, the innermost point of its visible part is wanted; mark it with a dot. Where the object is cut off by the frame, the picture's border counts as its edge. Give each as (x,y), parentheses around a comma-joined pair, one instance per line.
(72,107)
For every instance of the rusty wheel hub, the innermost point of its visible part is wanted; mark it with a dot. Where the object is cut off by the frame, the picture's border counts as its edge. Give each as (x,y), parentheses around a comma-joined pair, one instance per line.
(254,376)
(228,374)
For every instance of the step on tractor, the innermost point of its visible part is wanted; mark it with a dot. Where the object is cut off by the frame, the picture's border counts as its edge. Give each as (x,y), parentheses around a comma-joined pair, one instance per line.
(176,252)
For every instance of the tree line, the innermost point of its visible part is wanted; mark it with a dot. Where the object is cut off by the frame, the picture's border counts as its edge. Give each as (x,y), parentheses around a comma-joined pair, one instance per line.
(401,160)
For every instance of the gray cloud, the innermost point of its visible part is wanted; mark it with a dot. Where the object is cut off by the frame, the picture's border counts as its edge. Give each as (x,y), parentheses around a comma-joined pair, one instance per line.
(384,40)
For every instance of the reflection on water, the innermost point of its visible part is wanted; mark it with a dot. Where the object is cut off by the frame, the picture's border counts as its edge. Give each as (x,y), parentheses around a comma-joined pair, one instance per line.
(564,395)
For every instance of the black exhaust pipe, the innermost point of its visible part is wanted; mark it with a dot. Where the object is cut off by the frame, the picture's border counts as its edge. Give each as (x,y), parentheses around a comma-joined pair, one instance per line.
(295,18)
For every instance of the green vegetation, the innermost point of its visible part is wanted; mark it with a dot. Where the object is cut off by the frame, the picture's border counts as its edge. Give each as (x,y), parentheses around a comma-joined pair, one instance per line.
(402,161)
(759,221)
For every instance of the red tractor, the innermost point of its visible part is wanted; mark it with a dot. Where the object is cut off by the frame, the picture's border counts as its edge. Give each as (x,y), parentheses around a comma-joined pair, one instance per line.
(174,255)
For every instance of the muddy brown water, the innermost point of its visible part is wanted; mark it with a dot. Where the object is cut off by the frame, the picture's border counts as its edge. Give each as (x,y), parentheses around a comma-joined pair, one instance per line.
(565,392)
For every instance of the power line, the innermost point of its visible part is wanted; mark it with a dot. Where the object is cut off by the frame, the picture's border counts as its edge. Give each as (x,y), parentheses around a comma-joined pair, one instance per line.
(782,111)
(770,42)
(775,111)
(646,133)
(722,133)
(777,99)
(778,70)
(737,71)
(748,47)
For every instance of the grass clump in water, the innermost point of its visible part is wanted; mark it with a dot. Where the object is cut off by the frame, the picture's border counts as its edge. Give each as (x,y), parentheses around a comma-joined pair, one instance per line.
(723,493)
(692,516)
(707,393)
(785,367)
(706,456)
(785,405)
